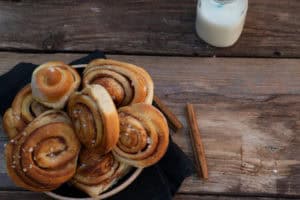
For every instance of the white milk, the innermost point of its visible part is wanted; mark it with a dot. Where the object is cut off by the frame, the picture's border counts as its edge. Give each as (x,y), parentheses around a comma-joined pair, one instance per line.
(220,22)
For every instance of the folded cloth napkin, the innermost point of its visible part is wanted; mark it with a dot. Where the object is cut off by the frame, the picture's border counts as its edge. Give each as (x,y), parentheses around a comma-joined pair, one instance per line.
(158,182)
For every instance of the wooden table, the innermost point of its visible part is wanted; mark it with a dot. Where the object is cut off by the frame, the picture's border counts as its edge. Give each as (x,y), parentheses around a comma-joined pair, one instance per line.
(247,97)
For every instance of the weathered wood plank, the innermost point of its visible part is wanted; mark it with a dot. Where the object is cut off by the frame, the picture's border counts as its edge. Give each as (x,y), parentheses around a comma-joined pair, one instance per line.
(221,197)
(239,77)
(248,113)
(26,195)
(248,117)
(143,27)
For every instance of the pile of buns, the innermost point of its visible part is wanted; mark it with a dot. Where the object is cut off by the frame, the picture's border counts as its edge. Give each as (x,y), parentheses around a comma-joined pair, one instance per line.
(88,130)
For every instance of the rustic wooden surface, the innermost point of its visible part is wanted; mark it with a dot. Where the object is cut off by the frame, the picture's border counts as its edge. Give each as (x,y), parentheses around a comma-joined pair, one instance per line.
(143,27)
(26,195)
(248,113)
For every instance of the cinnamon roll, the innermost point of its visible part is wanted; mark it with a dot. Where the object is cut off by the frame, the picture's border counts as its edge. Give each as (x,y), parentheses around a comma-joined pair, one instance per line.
(144,135)
(53,82)
(44,154)
(95,118)
(23,110)
(96,173)
(126,83)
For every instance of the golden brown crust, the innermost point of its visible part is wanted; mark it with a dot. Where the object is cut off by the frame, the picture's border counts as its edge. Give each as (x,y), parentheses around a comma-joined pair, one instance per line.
(44,154)
(95,173)
(24,109)
(144,135)
(12,124)
(53,82)
(44,147)
(95,118)
(126,83)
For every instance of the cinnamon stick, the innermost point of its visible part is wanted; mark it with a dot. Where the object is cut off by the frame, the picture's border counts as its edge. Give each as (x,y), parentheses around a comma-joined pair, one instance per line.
(197,144)
(171,117)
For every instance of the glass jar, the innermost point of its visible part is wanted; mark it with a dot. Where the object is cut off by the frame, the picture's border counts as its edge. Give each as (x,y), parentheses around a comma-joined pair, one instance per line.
(220,22)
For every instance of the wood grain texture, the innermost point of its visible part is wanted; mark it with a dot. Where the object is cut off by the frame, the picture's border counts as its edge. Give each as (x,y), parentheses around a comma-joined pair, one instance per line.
(248,114)
(26,195)
(143,27)
(221,197)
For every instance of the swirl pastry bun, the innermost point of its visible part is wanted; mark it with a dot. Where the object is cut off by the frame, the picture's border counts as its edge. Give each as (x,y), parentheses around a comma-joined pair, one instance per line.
(44,155)
(144,135)
(95,118)
(53,82)
(96,173)
(23,110)
(126,83)
(112,117)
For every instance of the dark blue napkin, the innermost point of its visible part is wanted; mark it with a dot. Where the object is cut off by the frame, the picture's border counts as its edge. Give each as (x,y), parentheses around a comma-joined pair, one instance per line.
(158,182)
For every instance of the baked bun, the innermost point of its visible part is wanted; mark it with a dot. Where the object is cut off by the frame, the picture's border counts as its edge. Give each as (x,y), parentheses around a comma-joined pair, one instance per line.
(23,110)
(97,173)
(95,118)
(44,155)
(126,83)
(53,82)
(144,135)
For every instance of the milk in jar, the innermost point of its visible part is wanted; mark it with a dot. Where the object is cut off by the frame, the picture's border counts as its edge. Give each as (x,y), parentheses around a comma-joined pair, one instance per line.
(220,22)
